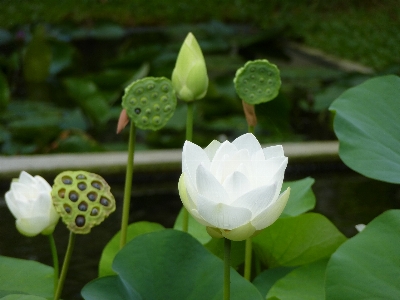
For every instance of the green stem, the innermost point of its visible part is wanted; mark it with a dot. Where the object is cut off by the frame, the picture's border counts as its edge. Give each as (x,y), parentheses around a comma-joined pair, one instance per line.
(189,122)
(189,137)
(251,129)
(55,260)
(65,267)
(128,185)
(247,259)
(185,220)
(227,269)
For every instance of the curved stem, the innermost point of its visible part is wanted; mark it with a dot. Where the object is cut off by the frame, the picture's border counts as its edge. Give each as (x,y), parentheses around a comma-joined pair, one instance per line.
(128,185)
(65,267)
(227,269)
(247,259)
(55,260)
(189,137)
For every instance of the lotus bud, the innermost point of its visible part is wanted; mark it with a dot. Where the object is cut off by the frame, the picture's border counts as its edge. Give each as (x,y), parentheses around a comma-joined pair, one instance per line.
(189,77)
(82,199)
(29,200)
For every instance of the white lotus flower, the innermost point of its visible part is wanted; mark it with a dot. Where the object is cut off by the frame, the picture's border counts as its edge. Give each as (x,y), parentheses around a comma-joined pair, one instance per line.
(29,200)
(233,188)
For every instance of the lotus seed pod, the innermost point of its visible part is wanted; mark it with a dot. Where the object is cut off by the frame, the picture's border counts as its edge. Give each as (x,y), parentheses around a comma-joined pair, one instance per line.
(150,102)
(257,81)
(82,199)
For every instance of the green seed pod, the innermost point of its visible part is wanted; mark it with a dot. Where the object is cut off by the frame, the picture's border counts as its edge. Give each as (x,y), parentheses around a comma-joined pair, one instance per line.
(150,102)
(257,81)
(82,199)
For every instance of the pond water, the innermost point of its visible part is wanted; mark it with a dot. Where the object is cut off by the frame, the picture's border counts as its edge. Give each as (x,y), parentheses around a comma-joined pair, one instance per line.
(344,196)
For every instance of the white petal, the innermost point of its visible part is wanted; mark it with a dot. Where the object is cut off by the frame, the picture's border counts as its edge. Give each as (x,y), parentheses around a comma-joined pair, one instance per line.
(214,232)
(209,187)
(26,178)
(31,226)
(272,169)
(183,194)
(231,163)
(360,227)
(258,199)
(12,204)
(273,151)
(236,185)
(225,149)
(192,157)
(271,213)
(196,215)
(211,149)
(42,205)
(247,141)
(42,184)
(191,189)
(221,215)
(258,156)
(240,233)
(23,192)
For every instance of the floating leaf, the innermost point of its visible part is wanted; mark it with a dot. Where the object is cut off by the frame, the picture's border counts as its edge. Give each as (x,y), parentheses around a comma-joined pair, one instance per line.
(304,283)
(18,276)
(367,266)
(167,265)
(267,279)
(113,246)
(297,240)
(197,230)
(367,128)
(302,198)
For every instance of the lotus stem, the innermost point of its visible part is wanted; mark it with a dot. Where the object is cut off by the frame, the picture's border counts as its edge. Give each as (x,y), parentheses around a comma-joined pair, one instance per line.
(55,260)
(128,185)
(189,137)
(227,269)
(65,267)
(247,259)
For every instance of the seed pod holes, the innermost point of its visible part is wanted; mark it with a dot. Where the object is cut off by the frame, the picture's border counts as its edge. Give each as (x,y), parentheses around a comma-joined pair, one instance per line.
(149,112)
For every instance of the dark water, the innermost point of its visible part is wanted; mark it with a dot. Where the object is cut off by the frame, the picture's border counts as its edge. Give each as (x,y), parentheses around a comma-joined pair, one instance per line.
(345,197)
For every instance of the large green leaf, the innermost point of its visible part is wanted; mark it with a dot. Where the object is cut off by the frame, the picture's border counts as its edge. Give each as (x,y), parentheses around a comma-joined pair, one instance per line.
(304,283)
(167,264)
(301,198)
(18,276)
(22,297)
(113,246)
(368,265)
(296,241)
(197,230)
(265,280)
(367,126)
(216,246)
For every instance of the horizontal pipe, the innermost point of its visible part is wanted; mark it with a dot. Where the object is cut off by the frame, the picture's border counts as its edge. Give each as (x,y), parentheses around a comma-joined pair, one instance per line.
(147,160)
